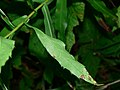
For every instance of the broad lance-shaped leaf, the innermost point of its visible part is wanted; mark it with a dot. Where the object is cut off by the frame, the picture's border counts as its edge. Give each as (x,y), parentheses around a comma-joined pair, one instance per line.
(56,49)
(49,29)
(61,18)
(6,47)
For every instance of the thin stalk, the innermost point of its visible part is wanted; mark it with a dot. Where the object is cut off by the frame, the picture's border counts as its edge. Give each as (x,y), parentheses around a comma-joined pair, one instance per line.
(28,17)
(109,84)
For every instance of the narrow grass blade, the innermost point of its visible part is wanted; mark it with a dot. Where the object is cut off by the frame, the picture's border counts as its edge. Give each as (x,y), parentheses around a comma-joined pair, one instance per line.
(49,29)
(6,19)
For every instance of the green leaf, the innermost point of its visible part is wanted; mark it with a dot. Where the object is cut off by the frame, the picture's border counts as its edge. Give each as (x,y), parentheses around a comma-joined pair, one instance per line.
(38,23)
(6,47)
(2,85)
(17,21)
(30,3)
(89,33)
(25,83)
(41,1)
(48,75)
(6,73)
(56,49)
(13,16)
(35,47)
(6,19)
(74,11)
(17,56)
(109,47)
(112,51)
(100,6)
(72,22)
(118,14)
(61,18)
(89,59)
(49,29)
(79,8)
(70,40)
(4,31)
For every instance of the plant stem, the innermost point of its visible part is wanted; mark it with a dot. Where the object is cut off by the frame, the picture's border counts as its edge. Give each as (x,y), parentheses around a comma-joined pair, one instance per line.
(28,17)
(109,84)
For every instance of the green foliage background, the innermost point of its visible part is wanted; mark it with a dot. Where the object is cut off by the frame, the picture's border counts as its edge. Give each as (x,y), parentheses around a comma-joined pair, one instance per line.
(59,44)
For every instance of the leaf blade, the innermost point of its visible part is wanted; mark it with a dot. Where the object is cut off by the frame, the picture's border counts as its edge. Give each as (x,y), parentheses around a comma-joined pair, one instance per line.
(6,47)
(100,6)
(79,8)
(56,49)
(49,29)
(17,21)
(6,19)
(61,18)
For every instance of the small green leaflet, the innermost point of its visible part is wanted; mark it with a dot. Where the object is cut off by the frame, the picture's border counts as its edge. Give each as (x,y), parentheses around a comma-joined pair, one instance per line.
(6,47)
(56,49)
